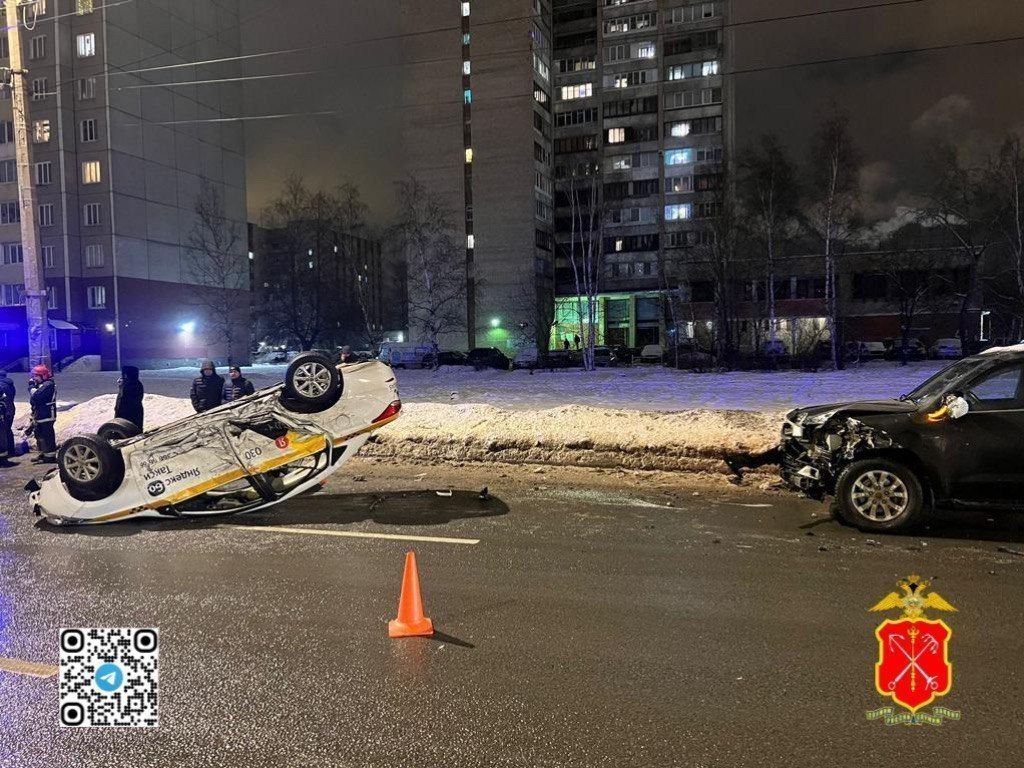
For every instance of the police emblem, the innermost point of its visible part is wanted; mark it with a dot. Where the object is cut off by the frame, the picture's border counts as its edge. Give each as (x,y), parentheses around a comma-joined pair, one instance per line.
(913,667)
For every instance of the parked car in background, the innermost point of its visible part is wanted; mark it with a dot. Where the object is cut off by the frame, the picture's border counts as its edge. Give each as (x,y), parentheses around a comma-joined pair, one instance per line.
(689,355)
(652,353)
(776,348)
(602,357)
(488,357)
(527,356)
(622,355)
(445,357)
(947,349)
(865,350)
(404,354)
(560,358)
(916,349)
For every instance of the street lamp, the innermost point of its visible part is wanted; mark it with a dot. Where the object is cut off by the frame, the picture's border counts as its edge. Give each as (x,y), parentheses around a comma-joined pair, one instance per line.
(187,328)
(495,322)
(109,327)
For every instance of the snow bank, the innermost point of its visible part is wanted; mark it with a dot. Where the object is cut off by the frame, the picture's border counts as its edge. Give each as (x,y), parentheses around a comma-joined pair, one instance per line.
(693,440)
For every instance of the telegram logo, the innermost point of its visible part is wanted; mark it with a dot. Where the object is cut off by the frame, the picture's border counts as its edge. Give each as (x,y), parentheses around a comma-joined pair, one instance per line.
(109,678)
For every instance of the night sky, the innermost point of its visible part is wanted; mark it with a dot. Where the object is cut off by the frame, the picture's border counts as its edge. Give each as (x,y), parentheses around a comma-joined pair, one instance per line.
(899,105)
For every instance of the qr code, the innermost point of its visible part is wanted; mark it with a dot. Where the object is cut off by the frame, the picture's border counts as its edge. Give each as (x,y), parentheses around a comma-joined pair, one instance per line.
(108,677)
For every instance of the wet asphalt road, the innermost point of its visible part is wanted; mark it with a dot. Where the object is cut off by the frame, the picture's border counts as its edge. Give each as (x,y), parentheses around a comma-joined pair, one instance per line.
(588,627)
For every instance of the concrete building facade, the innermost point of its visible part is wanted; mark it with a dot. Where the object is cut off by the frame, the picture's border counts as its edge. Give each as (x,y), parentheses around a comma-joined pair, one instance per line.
(477,132)
(122,142)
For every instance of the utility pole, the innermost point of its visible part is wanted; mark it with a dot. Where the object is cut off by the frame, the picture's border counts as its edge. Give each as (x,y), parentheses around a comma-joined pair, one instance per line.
(35,286)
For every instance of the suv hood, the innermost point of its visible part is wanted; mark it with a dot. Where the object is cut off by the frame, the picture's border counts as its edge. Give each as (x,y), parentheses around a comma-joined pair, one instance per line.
(819,414)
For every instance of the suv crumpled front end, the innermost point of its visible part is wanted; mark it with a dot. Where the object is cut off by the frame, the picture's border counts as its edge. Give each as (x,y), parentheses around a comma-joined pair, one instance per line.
(817,442)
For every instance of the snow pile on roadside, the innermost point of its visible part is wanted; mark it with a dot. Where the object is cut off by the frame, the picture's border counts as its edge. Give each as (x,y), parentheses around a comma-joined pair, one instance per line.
(692,440)
(87,417)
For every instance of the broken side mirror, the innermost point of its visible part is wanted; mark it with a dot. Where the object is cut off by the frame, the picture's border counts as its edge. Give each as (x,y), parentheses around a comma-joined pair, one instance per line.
(958,406)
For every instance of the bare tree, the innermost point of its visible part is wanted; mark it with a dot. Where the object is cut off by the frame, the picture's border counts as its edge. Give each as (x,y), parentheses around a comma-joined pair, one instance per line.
(716,251)
(220,271)
(830,213)
(586,252)
(768,194)
(435,261)
(914,289)
(1010,182)
(963,201)
(308,296)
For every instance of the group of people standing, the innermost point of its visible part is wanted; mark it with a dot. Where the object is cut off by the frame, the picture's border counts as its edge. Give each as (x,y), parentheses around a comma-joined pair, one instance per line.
(43,406)
(209,390)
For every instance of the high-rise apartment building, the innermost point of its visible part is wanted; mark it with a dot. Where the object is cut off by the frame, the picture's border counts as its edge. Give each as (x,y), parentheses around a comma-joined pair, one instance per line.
(122,141)
(477,129)
(642,123)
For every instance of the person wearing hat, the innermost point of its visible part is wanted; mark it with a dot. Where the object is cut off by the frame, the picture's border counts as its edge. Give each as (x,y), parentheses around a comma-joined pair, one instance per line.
(207,388)
(129,396)
(43,402)
(237,385)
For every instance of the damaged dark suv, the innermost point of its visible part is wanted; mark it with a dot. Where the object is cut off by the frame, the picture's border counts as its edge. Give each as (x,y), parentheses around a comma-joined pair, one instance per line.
(956,441)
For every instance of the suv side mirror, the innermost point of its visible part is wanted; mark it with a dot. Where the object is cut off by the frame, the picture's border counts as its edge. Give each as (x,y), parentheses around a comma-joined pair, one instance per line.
(958,406)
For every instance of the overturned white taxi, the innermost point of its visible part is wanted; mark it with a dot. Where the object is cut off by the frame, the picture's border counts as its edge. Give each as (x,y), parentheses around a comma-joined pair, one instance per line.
(245,455)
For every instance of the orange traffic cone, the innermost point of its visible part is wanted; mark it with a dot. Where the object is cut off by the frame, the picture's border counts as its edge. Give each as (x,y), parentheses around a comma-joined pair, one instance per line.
(410,622)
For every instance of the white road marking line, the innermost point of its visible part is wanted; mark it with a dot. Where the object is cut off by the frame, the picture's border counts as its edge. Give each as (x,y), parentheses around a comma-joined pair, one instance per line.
(29,668)
(749,506)
(354,534)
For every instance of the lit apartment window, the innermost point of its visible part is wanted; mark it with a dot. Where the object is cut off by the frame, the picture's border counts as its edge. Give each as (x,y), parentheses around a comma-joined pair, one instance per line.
(86,88)
(616,135)
(91,214)
(83,6)
(465,38)
(469,154)
(581,91)
(37,47)
(678,212)
(679,128)
(48,256)
(470,242)
(97,296)
(13,253)
(10,213)
(86,45)
(40,7)
(8,172)
(645,51)
(46,215)
(465,67)
(679,157)
(94,256)
(467,96)
(88,130)
(39,88)
(41,131)
(709,68)
(465,9)
(91,173)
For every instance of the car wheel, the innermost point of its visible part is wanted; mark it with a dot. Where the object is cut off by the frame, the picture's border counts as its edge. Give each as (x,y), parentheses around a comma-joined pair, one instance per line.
(880,496)
(118,429)
(90,467)
(312,381)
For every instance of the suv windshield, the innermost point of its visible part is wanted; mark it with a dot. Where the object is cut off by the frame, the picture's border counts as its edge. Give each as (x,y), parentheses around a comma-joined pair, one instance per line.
(938,383)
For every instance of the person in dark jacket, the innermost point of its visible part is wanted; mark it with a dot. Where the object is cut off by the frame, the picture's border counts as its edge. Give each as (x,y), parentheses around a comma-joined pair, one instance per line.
(43,401)
(129,396)
(237,385)
(7,393)
(207,388)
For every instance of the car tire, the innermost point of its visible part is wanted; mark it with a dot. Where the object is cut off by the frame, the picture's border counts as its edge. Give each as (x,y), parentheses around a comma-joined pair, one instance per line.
(312,383)
(90,467)
(880,496)
(118,429)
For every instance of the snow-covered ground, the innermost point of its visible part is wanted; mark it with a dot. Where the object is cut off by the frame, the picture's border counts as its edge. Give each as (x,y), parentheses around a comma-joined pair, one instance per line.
(645,388)
(641,418)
